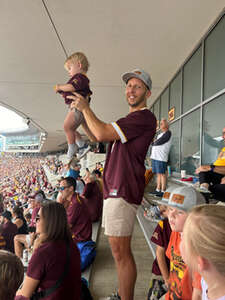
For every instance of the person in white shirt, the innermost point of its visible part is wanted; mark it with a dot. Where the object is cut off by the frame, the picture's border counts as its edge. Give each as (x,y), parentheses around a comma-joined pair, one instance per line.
(159,156)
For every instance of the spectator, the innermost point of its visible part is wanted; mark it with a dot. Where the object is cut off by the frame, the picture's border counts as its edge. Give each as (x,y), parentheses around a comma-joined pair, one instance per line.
(27,217)
(99,179)
(129,139)
(8,231)
(87,174)
(22,241)
(19,220)
(11,275)
(79,185)
(203,248)
(1,203)
(73,170)
(211,176)
(161,265)
(77,212)
(159,156)
(181,200)
(55,257)
(93,198)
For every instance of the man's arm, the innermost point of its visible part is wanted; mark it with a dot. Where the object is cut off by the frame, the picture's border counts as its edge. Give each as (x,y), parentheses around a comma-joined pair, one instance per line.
(91,137)
(206,168)
(103,132)
(219,169)
(163,139)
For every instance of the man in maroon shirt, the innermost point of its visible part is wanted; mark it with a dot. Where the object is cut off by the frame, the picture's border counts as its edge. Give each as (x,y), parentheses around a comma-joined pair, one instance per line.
(124,170)
(77,213)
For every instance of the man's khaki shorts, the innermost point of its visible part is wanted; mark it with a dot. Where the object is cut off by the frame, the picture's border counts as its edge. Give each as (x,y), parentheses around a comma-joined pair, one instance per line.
(118,217)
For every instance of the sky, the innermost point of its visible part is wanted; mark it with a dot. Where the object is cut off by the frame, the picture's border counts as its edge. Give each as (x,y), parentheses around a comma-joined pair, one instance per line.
(10,121)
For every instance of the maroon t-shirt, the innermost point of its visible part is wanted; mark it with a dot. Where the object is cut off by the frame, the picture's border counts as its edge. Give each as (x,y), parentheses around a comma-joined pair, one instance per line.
(9,230)
(47,264)
(161,237)
(124,168)
(79,219)
(94,200)
(80,82)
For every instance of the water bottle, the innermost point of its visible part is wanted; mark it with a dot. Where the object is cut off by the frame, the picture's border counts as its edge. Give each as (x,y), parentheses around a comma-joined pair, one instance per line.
(25,254)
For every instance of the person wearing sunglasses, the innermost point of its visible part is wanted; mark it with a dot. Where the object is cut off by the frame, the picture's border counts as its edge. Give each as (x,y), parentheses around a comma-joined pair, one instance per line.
(212,177)
(22,241)
(55,258)
(77,212)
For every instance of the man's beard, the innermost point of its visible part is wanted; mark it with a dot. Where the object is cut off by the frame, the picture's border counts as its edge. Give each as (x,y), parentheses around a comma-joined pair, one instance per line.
(136,104)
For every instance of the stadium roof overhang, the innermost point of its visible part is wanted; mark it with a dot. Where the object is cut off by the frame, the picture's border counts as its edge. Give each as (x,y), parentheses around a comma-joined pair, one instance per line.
(117,36)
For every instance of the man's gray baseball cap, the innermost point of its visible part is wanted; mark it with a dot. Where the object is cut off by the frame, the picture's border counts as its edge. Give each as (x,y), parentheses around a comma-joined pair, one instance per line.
(140,74)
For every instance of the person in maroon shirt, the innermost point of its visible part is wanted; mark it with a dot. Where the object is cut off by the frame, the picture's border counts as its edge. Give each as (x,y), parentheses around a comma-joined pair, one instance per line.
(76,210)
(77,66)
(55,256)
(93,198)
(124,170)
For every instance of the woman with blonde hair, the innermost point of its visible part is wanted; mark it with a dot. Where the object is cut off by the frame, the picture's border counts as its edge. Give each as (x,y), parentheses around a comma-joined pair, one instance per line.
(203,248)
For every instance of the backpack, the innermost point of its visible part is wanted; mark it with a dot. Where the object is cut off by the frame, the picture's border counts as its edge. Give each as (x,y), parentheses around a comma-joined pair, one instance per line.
(85,293)
(87,253)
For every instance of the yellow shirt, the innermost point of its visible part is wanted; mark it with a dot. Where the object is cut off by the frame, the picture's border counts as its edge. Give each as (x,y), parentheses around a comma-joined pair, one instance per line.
(220,159)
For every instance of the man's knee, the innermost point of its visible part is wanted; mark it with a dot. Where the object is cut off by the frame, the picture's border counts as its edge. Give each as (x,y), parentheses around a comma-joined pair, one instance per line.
(121,248)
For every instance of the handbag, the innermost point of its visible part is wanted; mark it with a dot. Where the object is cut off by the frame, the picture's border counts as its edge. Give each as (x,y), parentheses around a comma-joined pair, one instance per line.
(44,293)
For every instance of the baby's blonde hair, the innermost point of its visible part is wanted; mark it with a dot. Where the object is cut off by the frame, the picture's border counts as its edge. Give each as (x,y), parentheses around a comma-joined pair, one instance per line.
(78,56)
(204,234)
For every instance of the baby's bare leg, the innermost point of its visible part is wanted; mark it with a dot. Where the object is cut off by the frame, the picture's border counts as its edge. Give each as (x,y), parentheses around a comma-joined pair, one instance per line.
(70,127)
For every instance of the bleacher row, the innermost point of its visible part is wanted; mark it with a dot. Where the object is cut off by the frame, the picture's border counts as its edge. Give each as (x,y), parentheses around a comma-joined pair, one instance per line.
(90,159)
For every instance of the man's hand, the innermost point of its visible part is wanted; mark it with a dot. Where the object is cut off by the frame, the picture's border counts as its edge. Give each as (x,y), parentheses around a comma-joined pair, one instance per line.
(79,102)
(222,180)
(205,168)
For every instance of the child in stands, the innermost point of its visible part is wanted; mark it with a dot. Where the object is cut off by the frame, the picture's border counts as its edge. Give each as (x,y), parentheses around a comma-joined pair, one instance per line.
(77,66)
(160,266)
(203,248)
(11,275)
(182,284)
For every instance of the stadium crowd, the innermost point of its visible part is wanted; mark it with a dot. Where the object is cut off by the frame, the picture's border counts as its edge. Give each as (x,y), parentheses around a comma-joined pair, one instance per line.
(25,194)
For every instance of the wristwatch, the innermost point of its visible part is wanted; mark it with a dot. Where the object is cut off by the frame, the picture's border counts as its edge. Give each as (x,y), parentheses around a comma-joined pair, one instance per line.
(212,167)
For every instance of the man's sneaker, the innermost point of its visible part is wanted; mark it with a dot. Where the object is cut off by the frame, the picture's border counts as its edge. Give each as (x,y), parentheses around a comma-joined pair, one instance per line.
(159,194)
(153,193)
(203,189)
(82,151)
(114,297)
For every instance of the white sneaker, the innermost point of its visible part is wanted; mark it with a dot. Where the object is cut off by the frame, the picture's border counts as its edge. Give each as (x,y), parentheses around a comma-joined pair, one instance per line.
(203,189)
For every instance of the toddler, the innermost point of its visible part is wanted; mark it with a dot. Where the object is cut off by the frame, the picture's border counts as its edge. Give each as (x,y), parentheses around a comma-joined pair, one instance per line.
(203,248)
(77,66)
